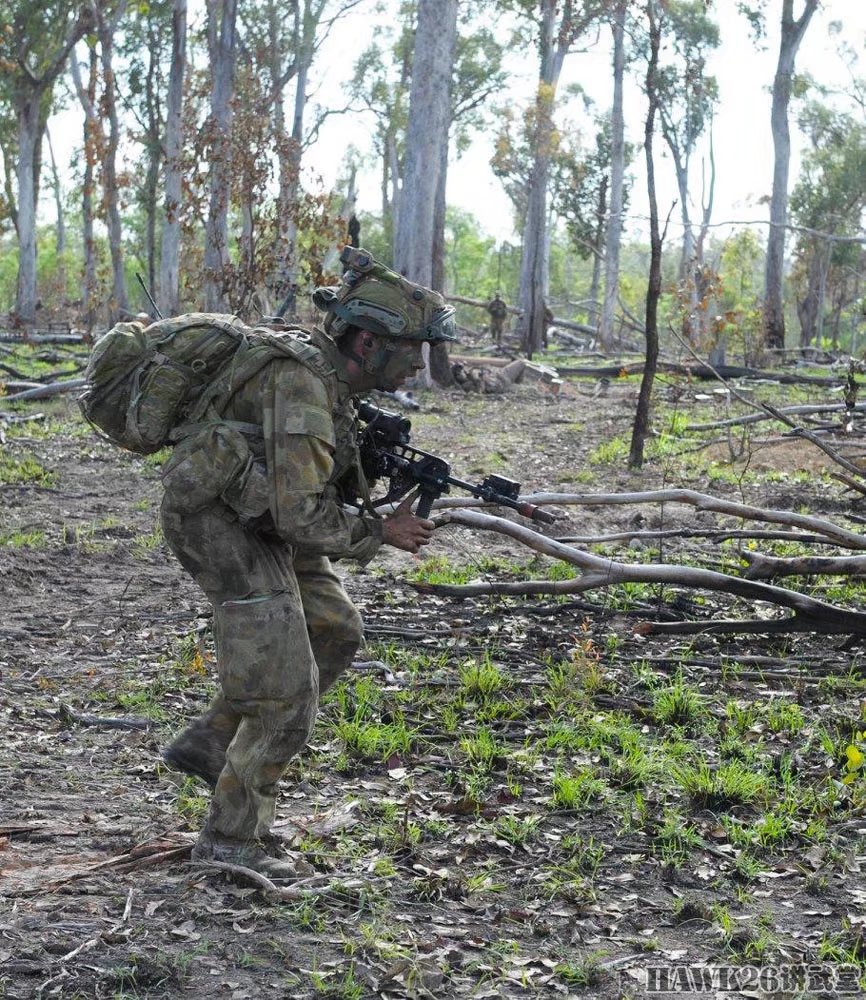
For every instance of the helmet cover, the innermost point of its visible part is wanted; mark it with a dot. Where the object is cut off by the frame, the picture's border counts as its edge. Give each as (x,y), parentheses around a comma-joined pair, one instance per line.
(373,297)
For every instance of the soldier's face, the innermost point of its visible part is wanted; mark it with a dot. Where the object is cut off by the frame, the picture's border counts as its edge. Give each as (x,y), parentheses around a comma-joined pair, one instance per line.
(403,359)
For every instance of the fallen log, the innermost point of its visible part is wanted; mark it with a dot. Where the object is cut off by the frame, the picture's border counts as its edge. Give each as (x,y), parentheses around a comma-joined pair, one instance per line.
(701,501)
(763,567)
(753,418)
(597,572)
(701,372)
(46,391)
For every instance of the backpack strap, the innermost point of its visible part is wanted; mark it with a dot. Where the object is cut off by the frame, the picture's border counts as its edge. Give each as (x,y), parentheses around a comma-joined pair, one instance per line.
(259,349)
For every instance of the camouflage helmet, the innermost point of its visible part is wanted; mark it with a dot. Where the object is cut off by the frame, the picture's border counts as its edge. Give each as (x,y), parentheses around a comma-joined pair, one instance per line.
(378,299)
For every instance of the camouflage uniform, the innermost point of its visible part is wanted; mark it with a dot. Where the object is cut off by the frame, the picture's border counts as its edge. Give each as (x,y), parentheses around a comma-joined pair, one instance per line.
(498,312)
(284,626)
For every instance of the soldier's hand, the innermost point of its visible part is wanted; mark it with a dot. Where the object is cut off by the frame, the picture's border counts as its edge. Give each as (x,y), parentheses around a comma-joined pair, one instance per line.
(405,531)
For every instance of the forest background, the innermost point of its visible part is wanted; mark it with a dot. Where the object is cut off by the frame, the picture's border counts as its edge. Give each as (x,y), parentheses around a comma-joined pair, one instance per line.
(221,149)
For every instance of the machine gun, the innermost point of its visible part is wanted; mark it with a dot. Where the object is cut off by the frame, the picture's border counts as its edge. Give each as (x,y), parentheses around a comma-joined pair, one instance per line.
(387,454)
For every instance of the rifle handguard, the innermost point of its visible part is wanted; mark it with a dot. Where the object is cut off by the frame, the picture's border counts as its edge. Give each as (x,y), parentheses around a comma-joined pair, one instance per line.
(535,513)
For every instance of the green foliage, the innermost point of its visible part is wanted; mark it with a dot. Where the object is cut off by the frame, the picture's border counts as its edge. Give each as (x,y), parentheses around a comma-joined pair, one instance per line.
(678,704)
(482,678)
(576,790)
(727,785)
(18,471)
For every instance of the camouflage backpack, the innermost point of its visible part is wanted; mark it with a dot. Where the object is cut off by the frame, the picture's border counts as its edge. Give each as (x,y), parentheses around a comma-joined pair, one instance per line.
(144,382)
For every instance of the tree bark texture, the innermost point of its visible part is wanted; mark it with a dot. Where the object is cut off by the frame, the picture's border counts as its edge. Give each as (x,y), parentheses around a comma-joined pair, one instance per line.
(532,292)
(221,31)
(119,304)
(29,136)
(87,97)
(617,183)
(426,135)
(427,131)
(30,100)
(654,287)
(169,257)
(774,272)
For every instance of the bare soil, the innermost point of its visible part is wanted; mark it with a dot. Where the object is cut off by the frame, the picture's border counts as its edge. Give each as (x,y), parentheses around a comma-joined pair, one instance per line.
(446,870)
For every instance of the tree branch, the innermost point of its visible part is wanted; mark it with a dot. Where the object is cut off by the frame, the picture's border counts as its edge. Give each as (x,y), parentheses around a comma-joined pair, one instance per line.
(598,572)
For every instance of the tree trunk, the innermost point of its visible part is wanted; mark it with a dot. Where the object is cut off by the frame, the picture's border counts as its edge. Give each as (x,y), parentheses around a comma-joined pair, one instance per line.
(532,292)
(31,101)
(426,133)
(809,306)
(119,304)
(700,274)
(293,167)
(29,137)
(426,152)
(169,258)
(592,313)
(87,96)
(60,228)
(654,288)
(396,187)
(681,168)
(792,35)
(285,162)
(437,275)
(154,151)
(617,182)
(221,22)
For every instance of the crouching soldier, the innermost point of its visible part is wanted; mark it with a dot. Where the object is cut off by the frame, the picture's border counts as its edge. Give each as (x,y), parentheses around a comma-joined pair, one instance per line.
(284,627)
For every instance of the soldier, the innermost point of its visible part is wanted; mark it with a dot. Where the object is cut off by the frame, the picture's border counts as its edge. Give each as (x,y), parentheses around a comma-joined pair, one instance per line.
(283,625)
(498,312)
(547,322)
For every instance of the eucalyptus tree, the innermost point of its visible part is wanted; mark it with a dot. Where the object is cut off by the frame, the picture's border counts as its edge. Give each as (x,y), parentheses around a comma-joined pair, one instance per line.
(557,28)
(654,11)
(34,48)
(91,146)
(581,183)
(149,43)
(687,95)
(108,17)
(792,31)
(169,247)
(828,203)
(613,236)
(222,58)
(380,85)
(426,134)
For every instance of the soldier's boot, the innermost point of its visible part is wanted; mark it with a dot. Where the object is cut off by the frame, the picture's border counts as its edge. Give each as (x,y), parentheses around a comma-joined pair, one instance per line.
(200,750)
(259,855)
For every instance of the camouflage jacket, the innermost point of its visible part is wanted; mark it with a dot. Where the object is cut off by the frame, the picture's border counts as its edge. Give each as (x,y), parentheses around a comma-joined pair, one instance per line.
(309,447)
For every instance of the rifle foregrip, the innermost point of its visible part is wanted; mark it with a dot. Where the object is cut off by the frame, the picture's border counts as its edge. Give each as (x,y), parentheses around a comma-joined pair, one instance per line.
(425,505)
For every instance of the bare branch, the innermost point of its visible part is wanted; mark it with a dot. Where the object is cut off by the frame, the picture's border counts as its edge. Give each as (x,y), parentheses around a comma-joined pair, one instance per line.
(701,501)
(598,572)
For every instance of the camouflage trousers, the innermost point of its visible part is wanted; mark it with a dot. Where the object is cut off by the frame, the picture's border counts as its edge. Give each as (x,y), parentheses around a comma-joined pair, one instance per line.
(284,630)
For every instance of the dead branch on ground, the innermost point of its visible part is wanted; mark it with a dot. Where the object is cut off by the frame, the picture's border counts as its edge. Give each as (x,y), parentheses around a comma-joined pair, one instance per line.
(701,501)
(754,418)
(808,613)
(763,567)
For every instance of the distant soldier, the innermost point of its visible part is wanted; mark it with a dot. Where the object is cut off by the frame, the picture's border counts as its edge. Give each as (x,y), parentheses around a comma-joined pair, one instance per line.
(354,231)
(498,312)
(547,322)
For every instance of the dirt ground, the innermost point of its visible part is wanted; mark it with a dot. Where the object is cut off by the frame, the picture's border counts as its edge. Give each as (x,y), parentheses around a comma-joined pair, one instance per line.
(532,835)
